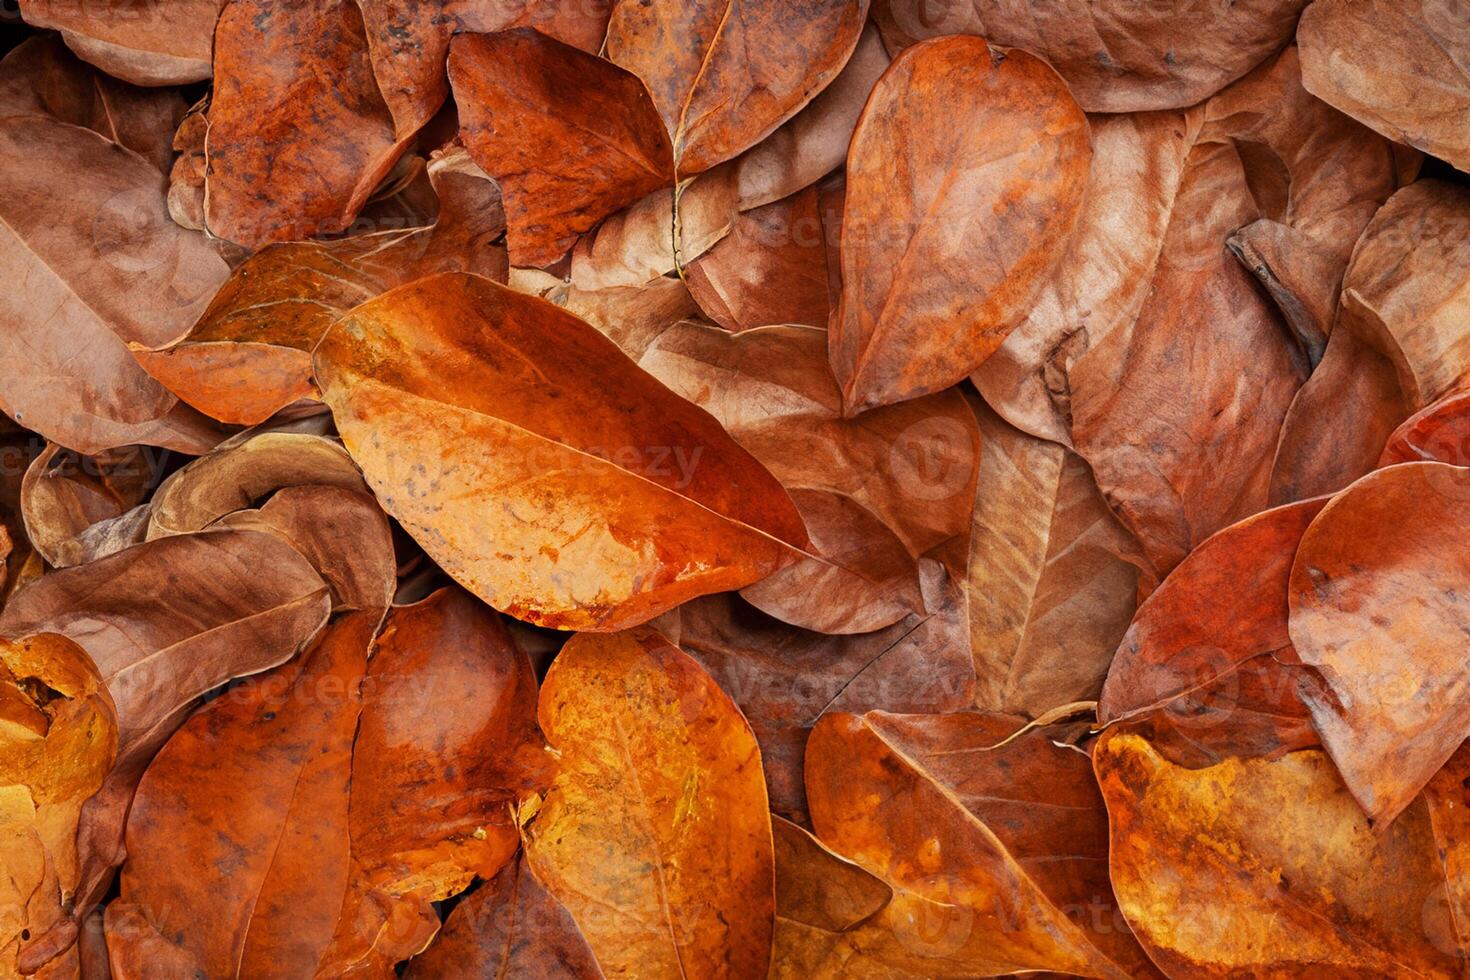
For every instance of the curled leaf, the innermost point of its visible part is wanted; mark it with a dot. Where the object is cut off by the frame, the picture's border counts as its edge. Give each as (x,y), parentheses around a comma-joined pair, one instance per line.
(1439,432)
(970,159)
(471,407)
(146,44)
(78,508)
(660,776)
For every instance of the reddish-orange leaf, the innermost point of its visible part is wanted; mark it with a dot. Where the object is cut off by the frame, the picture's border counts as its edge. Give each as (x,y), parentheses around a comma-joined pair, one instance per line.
(659,776)
(1377,604)
(538,465)
(1438,432)
(569,136)
(967,159)
(725,73)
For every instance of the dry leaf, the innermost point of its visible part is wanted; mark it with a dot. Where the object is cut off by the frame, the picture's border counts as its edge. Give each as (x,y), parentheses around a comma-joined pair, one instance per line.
(660,776)
(1439,432)
(143,43)
(955,134)
(1052,575)
(58,737)
(630,316)
(79,508)
(471,407)
(1399,66)
(1011,839)
(1116,56)
(1268,868)
(570,137)
(784,678)
(875,494)
(1375,605)
(725,73)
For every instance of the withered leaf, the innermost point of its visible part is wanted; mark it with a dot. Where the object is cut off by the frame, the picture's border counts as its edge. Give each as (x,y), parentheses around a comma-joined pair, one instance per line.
(569,136)
(1439,432)
(146,44)
(784,678)
(659,776)
(875,494)
(771,268)
(1115,56)
(78,508)
(1376,605)
(725,73)
(58,737)
(1052,575)
(84,226)
(299,134)
(1227,870)
(955,134)
(1010,837)
(1399,66)
(538,465)
(631,316)
(250,353)
(510,927)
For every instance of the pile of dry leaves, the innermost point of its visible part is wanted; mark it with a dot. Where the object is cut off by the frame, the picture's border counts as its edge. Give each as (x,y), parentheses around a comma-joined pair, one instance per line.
(718,488)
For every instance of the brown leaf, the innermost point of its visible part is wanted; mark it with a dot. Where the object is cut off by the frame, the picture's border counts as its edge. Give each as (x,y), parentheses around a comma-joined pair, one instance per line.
(725,73)
(299,134)
(1399,66)
(103,266)
(166,622)
(1226,871)
(342,532)
(250,353)
(1010,837)
(784,678)
(1052,575)
(409,40)
(1438,432)
(771,268)
(243,471)
(875,494)
(954,134)
(660,777)
(538,465)
(58,737)
(630,316)
(1375,604)
(1447,797)
(1208,660)
(79,508)
(255,784)
(509,927)
(569,136)
(146,44)
(1115,58)
(41,76)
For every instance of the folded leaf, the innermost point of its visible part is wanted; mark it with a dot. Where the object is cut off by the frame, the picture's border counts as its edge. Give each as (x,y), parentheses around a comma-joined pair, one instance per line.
(538,465)
(146,44)
(1010,837)
(630,316)
(299,134)
(1115,57)
(1438,432)
(58,737)
(83,224)
(570,137)
(660,777)
(969,159)
(876,494)
(1447,797)
(784,678)
(725,73)
(78,508)
(509,927)
(1399,66)
(250,353)
(1375,605)
(1052,575)
(1268,868)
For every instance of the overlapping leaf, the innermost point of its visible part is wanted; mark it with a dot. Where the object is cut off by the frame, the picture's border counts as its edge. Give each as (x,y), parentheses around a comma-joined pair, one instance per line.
(146,44)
